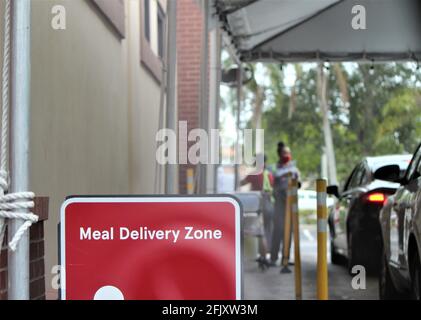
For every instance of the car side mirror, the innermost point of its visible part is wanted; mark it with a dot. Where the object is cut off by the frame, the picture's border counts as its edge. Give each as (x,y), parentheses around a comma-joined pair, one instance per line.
(333,191)
(388,173)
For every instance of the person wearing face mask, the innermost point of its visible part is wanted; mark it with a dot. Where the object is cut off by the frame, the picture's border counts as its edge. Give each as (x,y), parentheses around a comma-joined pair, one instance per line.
(263,182)
(284,167)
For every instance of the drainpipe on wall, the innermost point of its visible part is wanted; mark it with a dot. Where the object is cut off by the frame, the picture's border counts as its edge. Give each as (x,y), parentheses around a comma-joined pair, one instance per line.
(214,94)
(171,115)
(204,87)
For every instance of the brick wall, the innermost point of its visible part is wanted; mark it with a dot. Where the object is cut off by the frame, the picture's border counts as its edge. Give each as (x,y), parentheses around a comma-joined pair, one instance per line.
(36,266)
(3,270)
(189,43)
(36,256)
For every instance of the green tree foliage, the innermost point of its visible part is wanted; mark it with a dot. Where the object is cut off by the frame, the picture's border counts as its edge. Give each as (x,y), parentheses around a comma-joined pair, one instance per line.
(302,131)
(402,130)
(380,115)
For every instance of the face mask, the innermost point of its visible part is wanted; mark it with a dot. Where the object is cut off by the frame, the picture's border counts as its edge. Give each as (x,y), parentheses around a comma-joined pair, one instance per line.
(286,158)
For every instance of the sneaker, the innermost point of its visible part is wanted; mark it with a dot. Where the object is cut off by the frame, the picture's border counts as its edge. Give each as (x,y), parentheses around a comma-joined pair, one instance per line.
(285,270)
(263,263)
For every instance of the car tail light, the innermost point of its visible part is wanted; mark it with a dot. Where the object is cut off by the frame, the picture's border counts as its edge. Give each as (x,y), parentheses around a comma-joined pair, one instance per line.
(376,197)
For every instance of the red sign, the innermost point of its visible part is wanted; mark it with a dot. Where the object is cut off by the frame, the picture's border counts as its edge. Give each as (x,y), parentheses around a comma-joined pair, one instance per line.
(151,248)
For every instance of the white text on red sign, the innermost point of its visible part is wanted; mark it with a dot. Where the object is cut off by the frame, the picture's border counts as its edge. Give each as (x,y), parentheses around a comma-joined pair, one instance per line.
(143,233)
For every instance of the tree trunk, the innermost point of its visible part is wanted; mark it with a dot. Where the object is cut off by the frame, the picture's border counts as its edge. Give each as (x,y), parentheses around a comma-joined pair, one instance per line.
(327,132)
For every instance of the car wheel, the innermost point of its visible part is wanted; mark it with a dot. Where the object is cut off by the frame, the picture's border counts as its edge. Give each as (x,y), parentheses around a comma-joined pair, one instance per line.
(416,277)
(335,257)
(387,290)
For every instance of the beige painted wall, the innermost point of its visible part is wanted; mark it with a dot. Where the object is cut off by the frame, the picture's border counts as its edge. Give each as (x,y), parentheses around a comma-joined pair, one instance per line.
(94,110)
(144,98)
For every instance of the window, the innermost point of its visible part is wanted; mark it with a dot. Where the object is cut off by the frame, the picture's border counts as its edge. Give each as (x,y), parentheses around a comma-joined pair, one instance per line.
(147,20)
(161,32)
(366,177)
(418,171)
(355,179)
(152,36)
(348,181)
(414,172)
(359,175)
(113,11)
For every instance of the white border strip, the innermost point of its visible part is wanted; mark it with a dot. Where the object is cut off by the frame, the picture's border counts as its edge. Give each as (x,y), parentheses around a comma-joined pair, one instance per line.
(321,198)
(322,225)
(238,261)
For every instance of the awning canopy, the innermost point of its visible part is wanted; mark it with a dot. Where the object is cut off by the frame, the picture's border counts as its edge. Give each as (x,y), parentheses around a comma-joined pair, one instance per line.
(322,30)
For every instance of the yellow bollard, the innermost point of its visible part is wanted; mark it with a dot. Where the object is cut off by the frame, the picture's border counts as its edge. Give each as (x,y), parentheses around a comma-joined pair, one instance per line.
(190,181)
(296,227)
(322,272)
(287,229)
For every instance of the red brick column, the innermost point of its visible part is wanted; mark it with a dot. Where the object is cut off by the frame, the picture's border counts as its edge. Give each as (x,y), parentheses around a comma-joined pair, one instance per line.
(189,44)
(3,269)
(36,256)
(36,266)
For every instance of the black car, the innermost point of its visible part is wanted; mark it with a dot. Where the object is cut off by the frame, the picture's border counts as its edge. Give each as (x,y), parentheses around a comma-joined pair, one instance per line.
(354,219)
(400,220)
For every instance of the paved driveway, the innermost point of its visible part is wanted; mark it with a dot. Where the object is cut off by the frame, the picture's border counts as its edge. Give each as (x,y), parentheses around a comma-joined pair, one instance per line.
(272,285)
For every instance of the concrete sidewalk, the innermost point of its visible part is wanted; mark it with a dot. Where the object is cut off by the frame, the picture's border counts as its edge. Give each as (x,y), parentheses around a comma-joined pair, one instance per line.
(272,285)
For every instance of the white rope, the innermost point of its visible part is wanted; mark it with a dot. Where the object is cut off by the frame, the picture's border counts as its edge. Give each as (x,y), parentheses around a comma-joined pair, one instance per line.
(13,205)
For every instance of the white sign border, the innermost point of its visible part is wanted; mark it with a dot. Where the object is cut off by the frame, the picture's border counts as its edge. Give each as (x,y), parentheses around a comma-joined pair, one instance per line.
(150,199)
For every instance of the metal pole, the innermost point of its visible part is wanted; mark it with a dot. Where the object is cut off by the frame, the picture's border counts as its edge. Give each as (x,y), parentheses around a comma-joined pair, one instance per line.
(215,78)
(204,87)
(21,76)
(171,169)
(238,124)
(322,271)
(162,102)
(217,93)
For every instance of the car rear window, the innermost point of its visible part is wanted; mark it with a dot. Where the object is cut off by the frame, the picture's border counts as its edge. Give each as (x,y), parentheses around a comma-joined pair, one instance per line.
(403,165)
